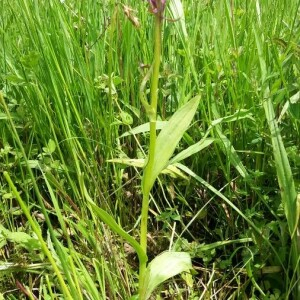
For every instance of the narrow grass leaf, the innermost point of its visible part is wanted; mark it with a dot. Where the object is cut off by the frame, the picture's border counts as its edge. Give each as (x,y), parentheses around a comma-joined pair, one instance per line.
(205,142)
(177,13)
(231,154)
(238,115)
(224,142)
(38,232)
(233,206)
(284,172)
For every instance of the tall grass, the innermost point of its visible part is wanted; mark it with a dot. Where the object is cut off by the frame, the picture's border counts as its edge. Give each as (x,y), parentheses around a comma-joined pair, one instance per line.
(70,78)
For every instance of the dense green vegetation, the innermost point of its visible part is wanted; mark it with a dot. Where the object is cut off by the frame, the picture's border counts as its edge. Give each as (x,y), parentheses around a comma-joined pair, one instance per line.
(71,74)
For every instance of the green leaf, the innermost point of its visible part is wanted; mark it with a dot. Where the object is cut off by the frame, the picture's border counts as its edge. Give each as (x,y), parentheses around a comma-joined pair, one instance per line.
(284,172)
(188,278)
(3,116)
(132,162)
(14,79)
(238,115)
(294,108)
(32,164)
(20,238)
(7,196)
(144,128)
(224,142)
(30,60)
(283,168)
(109,220)
(177,13)
(231,154)
(126,118)
(203,143)
(168,139)
(171,170)
(163,267)
(292,105)
(51,146)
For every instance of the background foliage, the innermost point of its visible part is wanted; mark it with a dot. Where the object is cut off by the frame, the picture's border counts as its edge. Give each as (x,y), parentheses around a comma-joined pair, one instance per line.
(70,73)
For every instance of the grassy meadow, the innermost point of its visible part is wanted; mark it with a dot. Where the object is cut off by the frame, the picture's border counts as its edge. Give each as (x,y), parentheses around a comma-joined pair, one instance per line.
(74,137)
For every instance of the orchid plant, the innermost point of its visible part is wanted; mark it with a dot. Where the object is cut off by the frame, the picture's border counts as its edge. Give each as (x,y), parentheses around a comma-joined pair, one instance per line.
(161,148)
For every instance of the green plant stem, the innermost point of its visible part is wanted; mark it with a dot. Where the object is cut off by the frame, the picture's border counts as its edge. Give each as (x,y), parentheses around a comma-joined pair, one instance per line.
(156,62)
(148,169)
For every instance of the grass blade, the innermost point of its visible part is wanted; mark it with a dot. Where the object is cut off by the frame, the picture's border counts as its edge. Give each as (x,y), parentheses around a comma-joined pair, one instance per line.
(283,168)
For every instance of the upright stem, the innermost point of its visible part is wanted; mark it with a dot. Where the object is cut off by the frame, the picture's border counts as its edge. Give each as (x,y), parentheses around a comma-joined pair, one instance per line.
(156,61)
(149,167)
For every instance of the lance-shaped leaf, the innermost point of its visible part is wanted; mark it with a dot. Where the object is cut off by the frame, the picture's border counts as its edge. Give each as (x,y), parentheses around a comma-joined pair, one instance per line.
(168,139)
(140,163)
(142,128)
(203,143)
(109,220)
(163,267)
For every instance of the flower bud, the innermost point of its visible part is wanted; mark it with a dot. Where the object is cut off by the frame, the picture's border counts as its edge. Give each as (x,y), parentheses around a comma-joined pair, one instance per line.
(157,6)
